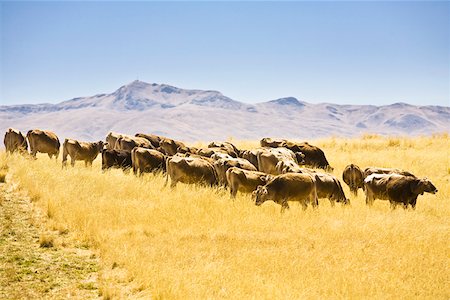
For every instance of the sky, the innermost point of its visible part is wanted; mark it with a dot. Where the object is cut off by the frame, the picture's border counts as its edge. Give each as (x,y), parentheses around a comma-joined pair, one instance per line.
(339,52)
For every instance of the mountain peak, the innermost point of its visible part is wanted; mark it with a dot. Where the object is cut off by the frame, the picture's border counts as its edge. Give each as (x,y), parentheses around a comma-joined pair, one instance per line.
(287,101)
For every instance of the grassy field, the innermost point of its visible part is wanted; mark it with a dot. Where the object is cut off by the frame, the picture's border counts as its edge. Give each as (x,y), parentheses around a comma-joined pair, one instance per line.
(194,242)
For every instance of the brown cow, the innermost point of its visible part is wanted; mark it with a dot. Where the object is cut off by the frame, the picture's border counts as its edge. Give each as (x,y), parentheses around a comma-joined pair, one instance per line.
(288,187)
(170,146)
(44,142)
(15,141)
(269,142)
(80,151)
(116,158)
(222,165)
(398,189)
(244,180)
(129,142)
(314,156)
(354,178)
(189,170)
(147,160)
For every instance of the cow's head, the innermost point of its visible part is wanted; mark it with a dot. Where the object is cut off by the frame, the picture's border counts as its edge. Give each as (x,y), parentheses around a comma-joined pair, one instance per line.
(424,185)
(300,158)
(99,146)
(260,195)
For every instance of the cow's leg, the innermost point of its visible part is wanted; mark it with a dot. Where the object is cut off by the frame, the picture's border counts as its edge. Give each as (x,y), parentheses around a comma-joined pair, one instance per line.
(284,205)
(413,203)
(173,183)
(331,202)
(72,161)
(233,192)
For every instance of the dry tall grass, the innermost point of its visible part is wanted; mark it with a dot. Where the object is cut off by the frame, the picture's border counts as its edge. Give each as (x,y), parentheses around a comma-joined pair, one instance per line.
(194,242)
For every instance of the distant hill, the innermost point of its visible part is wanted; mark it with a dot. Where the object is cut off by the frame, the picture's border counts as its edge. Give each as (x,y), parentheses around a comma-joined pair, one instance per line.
(193,115)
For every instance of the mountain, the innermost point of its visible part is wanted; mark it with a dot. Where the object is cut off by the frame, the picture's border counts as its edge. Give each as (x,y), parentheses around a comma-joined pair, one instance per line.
(194,115)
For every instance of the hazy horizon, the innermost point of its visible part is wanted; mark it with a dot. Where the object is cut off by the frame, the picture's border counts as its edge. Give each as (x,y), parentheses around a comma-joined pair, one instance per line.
(326,52)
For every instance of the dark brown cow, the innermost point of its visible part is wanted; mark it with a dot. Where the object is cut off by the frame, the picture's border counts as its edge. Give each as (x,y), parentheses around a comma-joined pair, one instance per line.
(244,180)
(15,141)
(329,187)
(375,170)
(314,156)
(44,142)
(269,142)
(354,178)
(190,170)
(80,151)
(170,146)
(146,160)
(398,189)
(288,187)
(116,158)
(153,138)
(222,165)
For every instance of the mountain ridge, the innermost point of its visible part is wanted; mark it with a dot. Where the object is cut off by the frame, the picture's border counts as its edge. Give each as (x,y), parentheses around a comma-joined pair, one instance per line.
(194,114)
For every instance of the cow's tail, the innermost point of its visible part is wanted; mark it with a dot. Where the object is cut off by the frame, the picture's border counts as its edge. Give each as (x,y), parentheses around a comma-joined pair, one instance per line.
(64,156)
(133,161)
(167,170)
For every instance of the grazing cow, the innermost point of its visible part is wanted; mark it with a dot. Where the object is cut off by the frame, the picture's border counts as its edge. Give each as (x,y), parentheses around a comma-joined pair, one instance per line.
(80,151)
(244,180)
(153,138)
(44,142)
(329,187)
(170,146)
(147,160)
(354,178)
(222,165)
(190,170)
(398,189)
(268,142)
(314,156)
(270,157)
(116,158)
(374,170)
(288,187)
(129,142)
(15,141)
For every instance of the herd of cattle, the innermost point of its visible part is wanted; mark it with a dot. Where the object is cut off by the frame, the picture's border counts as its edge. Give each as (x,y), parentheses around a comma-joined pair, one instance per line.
(279,170)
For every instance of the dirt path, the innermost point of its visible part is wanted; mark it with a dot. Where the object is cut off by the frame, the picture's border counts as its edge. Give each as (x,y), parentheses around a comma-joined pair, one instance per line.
(30,266)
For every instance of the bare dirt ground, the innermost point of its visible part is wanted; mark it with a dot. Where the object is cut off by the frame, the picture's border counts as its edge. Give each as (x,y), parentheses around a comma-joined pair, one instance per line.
(37,262)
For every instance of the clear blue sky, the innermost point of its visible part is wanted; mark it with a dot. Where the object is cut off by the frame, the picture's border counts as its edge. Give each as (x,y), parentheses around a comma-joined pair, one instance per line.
(342,52)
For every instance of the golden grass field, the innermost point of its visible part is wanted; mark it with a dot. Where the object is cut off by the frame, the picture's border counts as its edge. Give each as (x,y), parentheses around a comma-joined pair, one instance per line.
(194,242)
